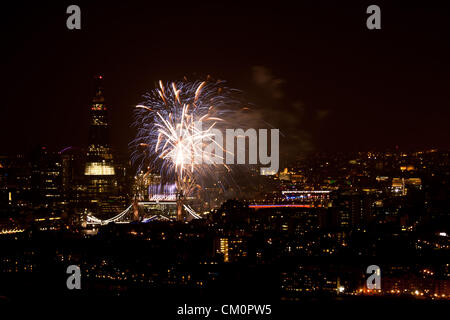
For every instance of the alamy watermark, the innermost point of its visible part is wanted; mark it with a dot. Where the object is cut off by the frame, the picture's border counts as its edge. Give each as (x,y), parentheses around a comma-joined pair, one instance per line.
(74,280)
(74,20)
(373,22)
(238,146)
(373,282)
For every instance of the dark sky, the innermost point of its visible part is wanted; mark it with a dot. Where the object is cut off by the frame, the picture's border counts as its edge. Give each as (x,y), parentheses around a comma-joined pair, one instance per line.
(313,68)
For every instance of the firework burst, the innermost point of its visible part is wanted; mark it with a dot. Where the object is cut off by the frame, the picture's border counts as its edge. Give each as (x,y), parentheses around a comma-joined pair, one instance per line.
(174,124)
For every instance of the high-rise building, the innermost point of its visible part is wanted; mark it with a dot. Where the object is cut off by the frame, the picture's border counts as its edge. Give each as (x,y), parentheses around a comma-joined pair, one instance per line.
(99,169)
(45,176)
(15,180)
(72,174)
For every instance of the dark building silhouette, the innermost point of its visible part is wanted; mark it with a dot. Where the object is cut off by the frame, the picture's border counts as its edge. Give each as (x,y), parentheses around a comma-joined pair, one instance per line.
(15,180)
(45,176)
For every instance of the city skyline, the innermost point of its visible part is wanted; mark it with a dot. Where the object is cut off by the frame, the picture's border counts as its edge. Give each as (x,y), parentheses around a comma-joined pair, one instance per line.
(225,160)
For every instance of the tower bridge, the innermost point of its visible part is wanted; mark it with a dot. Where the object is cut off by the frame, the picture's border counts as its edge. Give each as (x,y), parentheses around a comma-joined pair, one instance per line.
(146,211)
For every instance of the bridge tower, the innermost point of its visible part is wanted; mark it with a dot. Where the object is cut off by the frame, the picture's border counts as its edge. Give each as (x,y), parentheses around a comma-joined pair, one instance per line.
(180,199)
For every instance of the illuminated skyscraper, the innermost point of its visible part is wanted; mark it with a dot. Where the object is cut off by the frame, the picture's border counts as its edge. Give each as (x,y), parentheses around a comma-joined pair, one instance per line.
(99,167)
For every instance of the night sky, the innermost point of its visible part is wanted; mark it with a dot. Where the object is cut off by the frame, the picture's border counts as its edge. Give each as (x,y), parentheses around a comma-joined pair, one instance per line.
(313,70)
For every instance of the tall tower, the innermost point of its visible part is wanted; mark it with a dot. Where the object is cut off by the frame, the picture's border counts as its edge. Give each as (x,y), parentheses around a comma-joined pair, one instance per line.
(99,167)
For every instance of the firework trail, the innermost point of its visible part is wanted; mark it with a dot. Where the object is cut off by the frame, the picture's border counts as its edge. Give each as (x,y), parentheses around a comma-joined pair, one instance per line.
(169,138)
